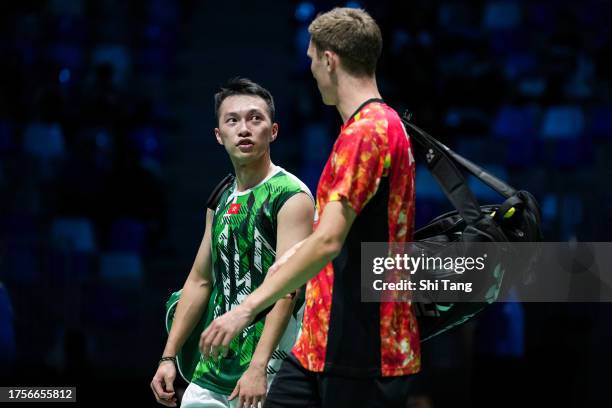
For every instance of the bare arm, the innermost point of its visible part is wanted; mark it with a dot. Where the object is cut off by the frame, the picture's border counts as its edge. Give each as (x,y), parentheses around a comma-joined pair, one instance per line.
(191,305)
(195,294)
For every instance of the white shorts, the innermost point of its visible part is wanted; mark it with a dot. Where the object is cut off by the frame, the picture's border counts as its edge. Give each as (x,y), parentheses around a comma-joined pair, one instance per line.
(198,397)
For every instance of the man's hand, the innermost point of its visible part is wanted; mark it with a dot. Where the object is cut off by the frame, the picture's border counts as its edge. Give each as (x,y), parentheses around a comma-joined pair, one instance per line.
(251,388)
(163,384)
(216,338)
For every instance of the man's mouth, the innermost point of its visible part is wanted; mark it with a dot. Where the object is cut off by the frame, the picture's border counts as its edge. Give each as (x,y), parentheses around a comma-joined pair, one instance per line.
(245,146)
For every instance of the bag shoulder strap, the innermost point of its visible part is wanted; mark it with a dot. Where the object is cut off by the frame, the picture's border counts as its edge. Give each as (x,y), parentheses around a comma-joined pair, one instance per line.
(490,180)
(446,173)
(213,199)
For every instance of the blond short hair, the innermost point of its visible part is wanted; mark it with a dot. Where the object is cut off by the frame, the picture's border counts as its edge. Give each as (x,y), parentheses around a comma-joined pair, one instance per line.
(352,34)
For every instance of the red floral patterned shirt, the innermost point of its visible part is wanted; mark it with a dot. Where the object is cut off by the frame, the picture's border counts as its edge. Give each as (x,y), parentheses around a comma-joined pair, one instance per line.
(371,167)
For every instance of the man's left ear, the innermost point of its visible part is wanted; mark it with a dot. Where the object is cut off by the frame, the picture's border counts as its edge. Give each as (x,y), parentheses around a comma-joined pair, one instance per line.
(330,60)
(274,131)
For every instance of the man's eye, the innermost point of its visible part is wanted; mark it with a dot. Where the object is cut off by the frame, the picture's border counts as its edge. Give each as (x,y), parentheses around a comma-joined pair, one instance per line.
(231,120)
(256,117)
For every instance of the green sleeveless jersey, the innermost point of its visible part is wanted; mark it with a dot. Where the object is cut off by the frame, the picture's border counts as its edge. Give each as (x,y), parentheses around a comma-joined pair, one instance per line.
(243,248)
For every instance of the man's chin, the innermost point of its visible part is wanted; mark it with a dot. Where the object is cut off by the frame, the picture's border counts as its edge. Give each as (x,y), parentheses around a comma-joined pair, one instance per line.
(244,158)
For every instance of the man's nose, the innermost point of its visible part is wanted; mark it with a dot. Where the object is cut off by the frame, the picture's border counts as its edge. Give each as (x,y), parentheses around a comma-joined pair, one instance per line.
(243,129)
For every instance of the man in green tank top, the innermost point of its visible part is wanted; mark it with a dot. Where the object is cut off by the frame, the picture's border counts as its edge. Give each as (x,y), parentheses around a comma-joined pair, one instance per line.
(253,219)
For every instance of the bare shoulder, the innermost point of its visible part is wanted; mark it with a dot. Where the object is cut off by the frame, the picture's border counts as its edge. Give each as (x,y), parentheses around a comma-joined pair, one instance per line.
(297,206)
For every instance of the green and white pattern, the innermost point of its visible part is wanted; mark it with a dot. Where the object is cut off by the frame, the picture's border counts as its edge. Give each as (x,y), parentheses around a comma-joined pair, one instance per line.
(243,248)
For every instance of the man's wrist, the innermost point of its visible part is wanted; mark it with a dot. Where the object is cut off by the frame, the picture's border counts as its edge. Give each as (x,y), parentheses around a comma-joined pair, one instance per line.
(167,358)
(249,308)
(259,364)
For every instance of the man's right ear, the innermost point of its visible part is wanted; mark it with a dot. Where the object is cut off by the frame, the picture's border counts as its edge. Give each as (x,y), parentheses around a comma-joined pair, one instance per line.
(218,136)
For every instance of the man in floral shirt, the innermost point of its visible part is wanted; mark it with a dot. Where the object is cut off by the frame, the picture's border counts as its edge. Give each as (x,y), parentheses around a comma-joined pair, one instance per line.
(350,353)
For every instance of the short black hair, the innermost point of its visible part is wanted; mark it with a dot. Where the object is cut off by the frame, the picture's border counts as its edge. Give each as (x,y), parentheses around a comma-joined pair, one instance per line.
(243,86)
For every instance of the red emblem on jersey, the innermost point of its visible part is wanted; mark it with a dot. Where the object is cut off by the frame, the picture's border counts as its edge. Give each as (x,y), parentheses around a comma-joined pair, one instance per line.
(233,209)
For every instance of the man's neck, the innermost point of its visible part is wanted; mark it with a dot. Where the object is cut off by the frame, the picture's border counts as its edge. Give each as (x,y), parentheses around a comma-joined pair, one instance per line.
(249,175)
(352,92)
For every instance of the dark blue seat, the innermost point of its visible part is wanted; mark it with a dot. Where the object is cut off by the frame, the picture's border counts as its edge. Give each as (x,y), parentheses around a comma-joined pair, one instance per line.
(601,122)
(501,15)
(115,55)
(147,141)
(426,186)
(124,269)
(562,122)
(515,122)
(550,208)
(74,234)
(519,64)
(44,140)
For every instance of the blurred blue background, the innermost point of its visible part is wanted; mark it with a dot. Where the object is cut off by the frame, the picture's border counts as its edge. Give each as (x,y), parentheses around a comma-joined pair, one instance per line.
(107,156)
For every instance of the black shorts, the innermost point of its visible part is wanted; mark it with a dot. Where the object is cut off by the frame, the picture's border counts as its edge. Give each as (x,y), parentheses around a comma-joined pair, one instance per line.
(294,387)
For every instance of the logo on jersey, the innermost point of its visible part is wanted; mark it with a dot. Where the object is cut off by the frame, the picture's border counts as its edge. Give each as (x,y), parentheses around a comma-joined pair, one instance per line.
(233,209)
